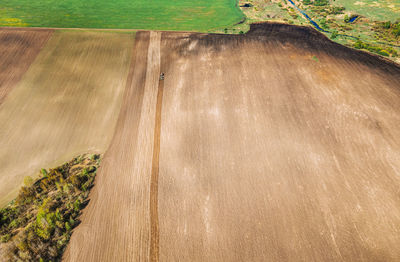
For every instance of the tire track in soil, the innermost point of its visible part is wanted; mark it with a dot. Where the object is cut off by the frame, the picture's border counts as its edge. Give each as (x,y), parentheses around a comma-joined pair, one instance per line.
(154,241)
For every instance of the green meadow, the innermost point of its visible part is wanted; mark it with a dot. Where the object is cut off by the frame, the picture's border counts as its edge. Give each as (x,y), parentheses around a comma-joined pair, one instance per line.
(190,15)
(378,10)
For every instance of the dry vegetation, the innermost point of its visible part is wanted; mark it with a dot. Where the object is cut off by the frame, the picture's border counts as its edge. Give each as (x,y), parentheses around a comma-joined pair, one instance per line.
(38,224)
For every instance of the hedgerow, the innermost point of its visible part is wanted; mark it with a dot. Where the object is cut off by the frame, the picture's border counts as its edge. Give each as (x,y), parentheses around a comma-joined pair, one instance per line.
(38,224)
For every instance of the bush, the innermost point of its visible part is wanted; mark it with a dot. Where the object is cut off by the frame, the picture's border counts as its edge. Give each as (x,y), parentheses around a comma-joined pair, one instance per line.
(71,221)
(45,224)
(335,10)
(359,45)
(5,238)
(28,181)
(68,226)
(396,30)
(77,205)
(26,195)
(321,2)
(13,224)
(384,53)
(38,224)
(387,24)
(44,172)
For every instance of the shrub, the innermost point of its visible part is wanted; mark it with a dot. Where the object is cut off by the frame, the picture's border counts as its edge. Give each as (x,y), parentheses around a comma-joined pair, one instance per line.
(321,2)
(387,24)
(71,221)
(28,181)
(335,10)
(396,30)
(44,172)
(38,224)
(384,53)
(26,195)
(77,205)
(45,224)
(67,226)
(94,157)
(13,224)
(5,238)
(360,45)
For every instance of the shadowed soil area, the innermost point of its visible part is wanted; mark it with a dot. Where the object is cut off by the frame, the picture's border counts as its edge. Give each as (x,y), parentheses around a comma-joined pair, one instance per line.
(278,145)
(66,104)
(18,49)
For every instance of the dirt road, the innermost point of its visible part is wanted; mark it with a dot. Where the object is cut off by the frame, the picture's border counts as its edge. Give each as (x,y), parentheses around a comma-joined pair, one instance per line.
(274,146)
(67,103)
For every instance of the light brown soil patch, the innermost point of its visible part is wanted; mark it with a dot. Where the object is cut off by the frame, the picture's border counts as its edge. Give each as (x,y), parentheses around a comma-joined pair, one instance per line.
(66,104)
(18,49)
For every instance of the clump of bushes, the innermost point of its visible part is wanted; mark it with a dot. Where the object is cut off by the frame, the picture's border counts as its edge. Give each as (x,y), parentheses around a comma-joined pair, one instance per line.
(335,10)
(394,28)
(375,49)
(334,34)
(38,224)
(321,2)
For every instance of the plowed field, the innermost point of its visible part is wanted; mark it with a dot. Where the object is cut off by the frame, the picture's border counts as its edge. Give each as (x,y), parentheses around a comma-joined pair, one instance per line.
(67,102)
(18,49)
(278,145)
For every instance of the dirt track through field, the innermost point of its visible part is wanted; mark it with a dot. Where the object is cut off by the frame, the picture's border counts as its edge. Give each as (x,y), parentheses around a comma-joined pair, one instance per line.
(66,104)
(123,198)
(154,240)
(18,49)
(274,146)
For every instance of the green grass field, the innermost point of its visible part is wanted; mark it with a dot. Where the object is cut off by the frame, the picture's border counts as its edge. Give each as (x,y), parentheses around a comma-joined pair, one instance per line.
(199,15)
(380,10)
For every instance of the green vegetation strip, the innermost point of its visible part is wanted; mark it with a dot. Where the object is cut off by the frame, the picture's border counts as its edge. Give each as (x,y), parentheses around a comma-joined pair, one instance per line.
(361,32)
(199,15)
(37,225)
(370,25)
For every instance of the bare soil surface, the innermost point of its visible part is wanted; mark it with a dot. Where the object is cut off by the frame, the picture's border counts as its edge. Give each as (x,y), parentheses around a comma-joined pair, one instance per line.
(278,145)
(66,104)
(117,220)
(18,49)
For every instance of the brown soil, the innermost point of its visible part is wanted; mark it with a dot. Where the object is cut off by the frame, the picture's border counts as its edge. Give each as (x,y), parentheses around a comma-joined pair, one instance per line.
(66,104)
(18,49)
(278,145)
